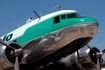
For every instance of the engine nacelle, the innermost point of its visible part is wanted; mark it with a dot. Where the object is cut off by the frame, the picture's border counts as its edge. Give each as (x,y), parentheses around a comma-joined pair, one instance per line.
(6,59)
(83,59)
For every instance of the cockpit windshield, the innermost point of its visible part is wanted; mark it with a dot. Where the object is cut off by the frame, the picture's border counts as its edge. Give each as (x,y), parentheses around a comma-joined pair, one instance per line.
(73,15)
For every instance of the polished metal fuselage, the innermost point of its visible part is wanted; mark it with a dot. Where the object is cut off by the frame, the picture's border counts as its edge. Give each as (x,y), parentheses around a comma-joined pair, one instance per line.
(60,43)
(55,45)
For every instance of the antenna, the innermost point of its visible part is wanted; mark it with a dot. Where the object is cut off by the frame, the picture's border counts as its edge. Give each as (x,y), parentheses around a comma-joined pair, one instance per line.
(18,25)
(37,15)
(57,6)
(40,13)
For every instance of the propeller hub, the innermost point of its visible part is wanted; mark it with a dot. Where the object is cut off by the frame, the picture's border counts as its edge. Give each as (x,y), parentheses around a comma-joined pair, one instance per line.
(99,54)
(17,52)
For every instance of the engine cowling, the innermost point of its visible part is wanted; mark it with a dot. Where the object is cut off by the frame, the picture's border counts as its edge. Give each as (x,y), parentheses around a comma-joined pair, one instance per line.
(6,59)
(83,59)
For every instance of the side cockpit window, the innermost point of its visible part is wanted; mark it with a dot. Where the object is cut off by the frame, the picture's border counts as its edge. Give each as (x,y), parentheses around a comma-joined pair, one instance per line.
(74,15)
(56,20)
(63,16)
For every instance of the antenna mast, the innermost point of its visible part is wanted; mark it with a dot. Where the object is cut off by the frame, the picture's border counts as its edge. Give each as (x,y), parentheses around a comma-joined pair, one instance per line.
(37,15)
(57,6)
(60,7)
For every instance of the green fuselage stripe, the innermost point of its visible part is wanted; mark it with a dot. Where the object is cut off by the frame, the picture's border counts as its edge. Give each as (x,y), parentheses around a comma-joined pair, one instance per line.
(47,27)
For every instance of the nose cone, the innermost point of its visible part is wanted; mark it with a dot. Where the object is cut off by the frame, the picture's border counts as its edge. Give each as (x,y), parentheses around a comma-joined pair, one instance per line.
(89,26)
(90,29)
(88,19)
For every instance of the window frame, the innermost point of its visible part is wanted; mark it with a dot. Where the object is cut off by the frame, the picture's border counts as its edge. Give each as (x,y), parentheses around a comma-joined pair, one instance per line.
(71,16)
(64,17)
(56,19)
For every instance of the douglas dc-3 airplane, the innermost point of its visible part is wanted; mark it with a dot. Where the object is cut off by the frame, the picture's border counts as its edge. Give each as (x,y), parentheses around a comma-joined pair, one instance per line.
(41,43)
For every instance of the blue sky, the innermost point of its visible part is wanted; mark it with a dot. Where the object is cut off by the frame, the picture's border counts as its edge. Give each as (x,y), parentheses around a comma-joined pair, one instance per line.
(17,12)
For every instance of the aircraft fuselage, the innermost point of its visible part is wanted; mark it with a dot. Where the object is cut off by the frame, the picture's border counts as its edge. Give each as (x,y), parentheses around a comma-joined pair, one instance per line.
(53,36)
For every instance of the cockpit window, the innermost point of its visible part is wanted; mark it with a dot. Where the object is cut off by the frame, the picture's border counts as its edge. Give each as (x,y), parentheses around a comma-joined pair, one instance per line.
(74,15)
(63,16)
(56,20)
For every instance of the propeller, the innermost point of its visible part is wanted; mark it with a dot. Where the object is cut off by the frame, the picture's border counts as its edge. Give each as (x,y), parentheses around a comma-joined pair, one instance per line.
(4,43)
(98,55)
(16,52)
(16,64)
(103,51)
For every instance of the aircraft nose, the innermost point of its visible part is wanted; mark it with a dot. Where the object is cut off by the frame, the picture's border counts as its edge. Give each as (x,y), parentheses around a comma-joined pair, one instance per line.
(97,24)
(90,29)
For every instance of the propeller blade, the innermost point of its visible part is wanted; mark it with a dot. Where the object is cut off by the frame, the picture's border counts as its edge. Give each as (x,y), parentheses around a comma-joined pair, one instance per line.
(4,43)
(103,51)
(90,48)
(16,64)
(98,65)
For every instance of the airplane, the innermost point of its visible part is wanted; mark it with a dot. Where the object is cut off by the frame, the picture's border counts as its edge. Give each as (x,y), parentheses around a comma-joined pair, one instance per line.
(45,40)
